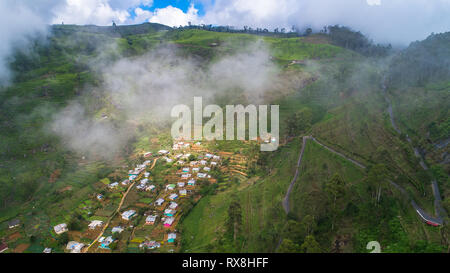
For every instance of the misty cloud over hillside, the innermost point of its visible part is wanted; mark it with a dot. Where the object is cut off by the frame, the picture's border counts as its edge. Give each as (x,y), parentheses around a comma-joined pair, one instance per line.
(17,23)
(144,89)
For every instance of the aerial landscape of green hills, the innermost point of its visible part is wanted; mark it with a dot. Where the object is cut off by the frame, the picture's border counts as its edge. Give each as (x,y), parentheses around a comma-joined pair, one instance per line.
(363,147)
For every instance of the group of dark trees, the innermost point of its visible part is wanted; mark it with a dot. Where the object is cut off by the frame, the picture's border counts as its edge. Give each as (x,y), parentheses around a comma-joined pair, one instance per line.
(299,237)
(299,122)
(355,40)
(422,62)
(279,32)
(293,31)
(234,219)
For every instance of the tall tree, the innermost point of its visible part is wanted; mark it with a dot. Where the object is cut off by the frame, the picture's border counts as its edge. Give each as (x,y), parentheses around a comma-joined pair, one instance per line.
(310,245)
(308,224)
(234,221)
(294,231)
(287,246)
(377,178)
(335,189)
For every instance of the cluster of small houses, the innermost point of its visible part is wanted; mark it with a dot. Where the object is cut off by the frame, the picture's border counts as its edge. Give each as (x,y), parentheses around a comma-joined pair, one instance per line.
(72,246)
(180,189)
(199,168)
(105,242)
(187,181)
(132,175)
(76,247)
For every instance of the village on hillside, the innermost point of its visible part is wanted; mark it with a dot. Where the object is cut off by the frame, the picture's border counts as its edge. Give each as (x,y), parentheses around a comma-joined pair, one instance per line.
(151,222)
(141,212)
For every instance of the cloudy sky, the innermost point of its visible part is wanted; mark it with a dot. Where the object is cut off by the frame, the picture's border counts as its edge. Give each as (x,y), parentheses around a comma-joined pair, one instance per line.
(398,22)
(394,21)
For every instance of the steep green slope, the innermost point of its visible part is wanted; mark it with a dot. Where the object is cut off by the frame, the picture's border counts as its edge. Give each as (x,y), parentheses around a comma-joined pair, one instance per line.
(418,80)
(44,82)
(357,219)
(349,113)
(204,228)
(418,85)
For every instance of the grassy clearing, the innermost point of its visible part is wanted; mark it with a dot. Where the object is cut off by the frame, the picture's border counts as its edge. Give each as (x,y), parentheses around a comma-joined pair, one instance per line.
(283,49)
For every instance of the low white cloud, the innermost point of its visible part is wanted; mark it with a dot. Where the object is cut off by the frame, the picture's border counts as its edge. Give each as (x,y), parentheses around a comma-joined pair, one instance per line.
(394,21)
(18,21)
(142,90)
(98,12)
(86,135)
(173,16)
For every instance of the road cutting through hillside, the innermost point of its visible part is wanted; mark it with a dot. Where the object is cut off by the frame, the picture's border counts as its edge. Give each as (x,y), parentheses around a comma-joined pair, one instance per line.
(291,185)
(117,210)
(297,170)
(339,154)
(434,221)
(439,210)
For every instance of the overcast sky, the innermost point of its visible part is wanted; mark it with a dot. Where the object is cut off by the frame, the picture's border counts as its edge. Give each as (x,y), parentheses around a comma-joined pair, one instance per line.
(395,21)
(386,21)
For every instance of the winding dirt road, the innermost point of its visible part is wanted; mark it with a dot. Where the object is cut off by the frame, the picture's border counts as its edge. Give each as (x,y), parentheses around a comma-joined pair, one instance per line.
(439,210)
(297,170)
(285,201)
(339,154)
(429,219)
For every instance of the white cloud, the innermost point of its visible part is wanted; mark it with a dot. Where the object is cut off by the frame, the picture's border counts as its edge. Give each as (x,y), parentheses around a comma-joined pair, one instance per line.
(143,90)
(17,22)
(141,15)
(21,18)
(373,2)
(172,16)
(86,135)
(395,21)
(127,4)
(98,12)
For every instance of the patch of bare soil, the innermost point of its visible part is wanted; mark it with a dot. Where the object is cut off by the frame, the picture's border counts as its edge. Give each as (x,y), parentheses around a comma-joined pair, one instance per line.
(14,236)
(21,248)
